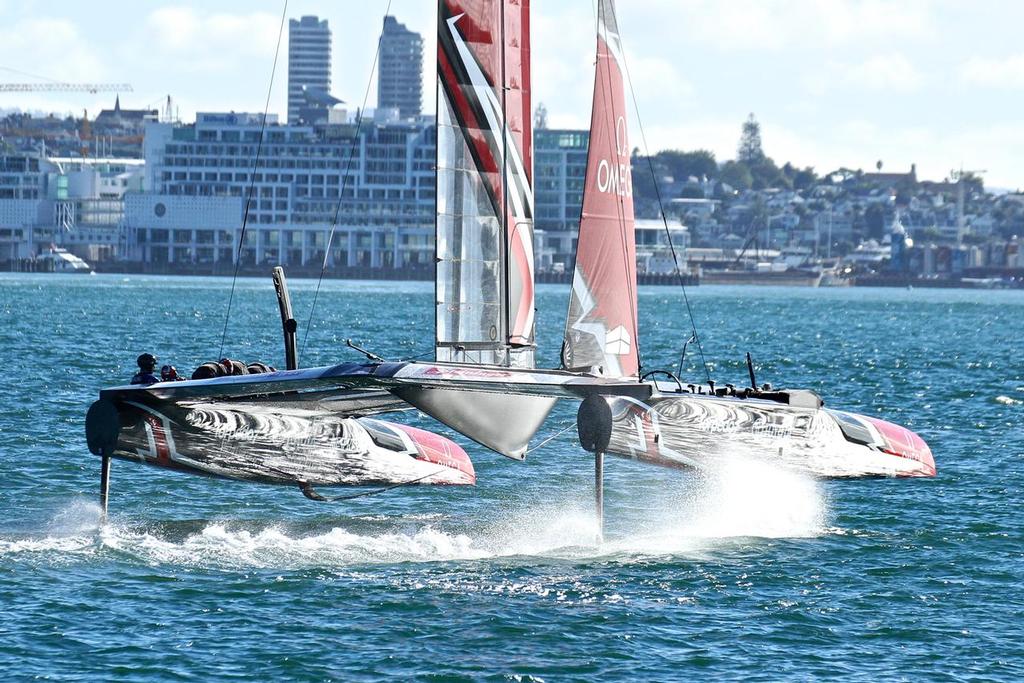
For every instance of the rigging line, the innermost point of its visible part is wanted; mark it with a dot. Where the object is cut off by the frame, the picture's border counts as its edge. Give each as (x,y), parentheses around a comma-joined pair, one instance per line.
(551,438)
(419,356)
(345,180)
(664,220)
(506,237)
(252,181)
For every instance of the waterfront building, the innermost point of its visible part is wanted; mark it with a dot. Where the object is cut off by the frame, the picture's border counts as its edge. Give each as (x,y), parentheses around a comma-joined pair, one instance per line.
(309,65)
(379,186)
(400,73)
(74,203)
(197,176)
(182,209)
(653,248)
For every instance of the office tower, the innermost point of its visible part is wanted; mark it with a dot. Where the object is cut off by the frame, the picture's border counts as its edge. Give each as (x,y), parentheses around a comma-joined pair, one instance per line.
(400,77)
(309,62)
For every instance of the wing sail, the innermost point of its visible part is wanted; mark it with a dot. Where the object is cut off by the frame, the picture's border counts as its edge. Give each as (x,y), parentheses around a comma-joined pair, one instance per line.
(484,184)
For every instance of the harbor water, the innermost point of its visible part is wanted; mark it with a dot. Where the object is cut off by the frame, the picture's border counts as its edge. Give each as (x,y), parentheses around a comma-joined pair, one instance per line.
(749,572)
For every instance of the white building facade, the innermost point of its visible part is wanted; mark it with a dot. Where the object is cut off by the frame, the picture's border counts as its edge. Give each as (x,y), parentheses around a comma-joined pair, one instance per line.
(375,192)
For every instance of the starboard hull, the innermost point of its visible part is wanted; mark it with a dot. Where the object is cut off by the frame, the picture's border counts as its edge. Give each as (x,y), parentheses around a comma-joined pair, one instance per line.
(274,441)
(700,431)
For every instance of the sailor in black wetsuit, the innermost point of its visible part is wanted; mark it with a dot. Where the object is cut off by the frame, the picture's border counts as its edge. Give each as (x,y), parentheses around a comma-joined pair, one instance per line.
(147,364)
(169,373)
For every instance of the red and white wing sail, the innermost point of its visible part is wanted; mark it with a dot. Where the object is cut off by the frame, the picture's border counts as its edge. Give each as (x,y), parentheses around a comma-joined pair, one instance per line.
(601,330)
(485,310)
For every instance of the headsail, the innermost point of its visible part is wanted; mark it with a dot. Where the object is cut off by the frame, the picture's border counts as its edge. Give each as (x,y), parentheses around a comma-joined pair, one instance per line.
(601,330)
(485,310)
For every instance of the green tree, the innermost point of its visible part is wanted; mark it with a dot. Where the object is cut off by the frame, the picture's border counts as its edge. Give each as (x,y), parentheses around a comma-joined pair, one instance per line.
(750,151)
(799,179)
(643,181)
(805,179)
(766,174)
(737,174)
(540,117)
(682,165)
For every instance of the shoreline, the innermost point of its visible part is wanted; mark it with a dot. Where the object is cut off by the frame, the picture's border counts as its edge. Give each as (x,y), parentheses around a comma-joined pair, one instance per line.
(800,280)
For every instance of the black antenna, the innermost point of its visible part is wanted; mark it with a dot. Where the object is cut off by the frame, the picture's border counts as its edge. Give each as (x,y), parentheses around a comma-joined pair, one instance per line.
(750,369)
(682,356)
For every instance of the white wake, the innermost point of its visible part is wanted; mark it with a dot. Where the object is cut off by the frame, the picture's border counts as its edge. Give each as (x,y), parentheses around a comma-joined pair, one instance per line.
(740,501)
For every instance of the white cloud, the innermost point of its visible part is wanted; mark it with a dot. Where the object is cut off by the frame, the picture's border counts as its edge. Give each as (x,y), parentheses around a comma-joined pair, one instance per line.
(563,45)
(715,135)
(49,47)
(1007,72)
(783,24)
(201,40)
(892,71)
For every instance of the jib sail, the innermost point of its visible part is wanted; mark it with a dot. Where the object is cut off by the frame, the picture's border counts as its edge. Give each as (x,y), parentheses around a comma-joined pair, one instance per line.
(601,330)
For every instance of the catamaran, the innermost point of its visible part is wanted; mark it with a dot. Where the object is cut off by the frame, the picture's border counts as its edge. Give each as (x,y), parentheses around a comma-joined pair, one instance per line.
(485,354)
(484,382)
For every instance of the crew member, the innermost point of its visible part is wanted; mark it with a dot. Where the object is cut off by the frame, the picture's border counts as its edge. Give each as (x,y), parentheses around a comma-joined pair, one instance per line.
(233,367)
(147,364)
(169,373)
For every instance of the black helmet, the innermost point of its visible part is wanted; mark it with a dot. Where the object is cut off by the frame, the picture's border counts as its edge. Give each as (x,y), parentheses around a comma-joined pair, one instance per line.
(168,372)
(146,361)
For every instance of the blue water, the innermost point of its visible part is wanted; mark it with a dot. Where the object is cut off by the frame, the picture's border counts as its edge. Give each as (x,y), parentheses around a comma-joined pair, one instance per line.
(749,574)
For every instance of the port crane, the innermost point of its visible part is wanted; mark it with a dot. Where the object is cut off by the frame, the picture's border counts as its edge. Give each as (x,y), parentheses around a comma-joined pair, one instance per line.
(92,88)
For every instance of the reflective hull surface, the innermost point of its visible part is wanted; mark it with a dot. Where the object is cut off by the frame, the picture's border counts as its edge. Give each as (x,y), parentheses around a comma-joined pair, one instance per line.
(277,442)
(700,431)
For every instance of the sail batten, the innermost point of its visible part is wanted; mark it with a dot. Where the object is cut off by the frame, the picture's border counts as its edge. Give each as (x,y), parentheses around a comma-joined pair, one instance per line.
(484,184)
(601,328)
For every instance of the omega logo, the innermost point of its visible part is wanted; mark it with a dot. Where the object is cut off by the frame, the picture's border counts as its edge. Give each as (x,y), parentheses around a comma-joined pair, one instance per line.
(615,178)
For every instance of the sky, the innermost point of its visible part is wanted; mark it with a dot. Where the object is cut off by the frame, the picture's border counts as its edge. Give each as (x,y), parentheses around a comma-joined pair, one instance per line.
(939,83)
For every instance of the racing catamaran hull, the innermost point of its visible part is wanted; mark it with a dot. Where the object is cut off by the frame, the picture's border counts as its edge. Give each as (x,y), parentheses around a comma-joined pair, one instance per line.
(701,431)
(272,438)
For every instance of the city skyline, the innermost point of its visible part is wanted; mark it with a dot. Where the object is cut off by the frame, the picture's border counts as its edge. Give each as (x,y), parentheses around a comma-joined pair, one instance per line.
(838,83)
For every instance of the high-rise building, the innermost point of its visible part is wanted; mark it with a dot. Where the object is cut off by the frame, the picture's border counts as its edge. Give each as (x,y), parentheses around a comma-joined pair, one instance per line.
(309,63)
(400,77)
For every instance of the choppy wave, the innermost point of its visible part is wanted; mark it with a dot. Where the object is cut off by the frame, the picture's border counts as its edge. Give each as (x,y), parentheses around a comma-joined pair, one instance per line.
(739,500)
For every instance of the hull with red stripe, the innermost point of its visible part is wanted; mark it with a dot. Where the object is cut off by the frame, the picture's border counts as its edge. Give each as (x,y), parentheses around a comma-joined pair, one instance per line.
(701,432)
(280,442)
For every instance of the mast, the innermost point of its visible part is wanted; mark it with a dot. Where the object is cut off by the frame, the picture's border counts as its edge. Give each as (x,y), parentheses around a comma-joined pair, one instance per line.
(601,329)
(484,282)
